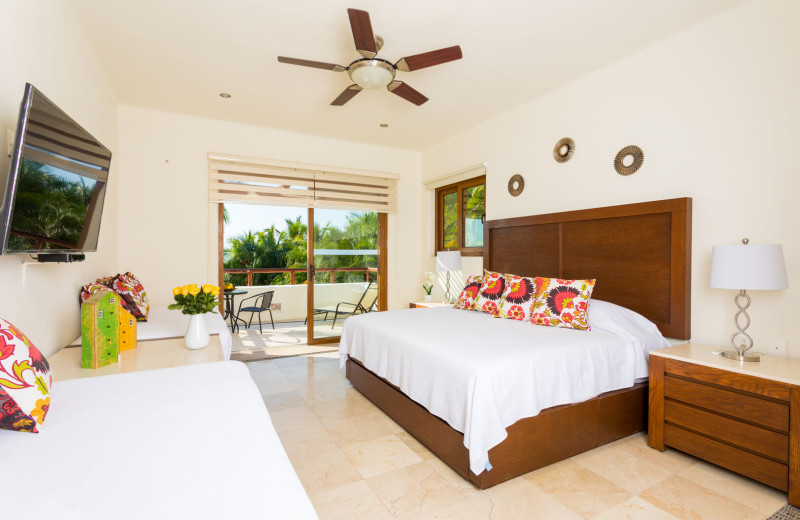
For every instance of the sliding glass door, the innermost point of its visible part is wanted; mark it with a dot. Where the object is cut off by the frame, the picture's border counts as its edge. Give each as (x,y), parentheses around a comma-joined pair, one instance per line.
(346,253)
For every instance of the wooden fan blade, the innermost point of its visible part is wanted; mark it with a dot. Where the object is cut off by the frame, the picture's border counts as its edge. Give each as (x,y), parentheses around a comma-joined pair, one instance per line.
(362,33)
(346,95)
(309,63)
(429,59)
(406,92)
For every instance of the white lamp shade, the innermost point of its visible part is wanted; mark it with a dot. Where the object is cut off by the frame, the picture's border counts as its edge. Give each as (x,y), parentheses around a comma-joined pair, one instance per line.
(748,267)
(448,261)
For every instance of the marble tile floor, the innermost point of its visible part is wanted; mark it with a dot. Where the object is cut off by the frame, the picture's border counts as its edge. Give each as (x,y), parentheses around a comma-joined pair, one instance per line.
(357,464)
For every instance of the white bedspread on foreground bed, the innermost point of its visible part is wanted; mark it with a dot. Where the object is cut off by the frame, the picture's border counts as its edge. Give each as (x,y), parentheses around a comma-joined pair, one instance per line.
(192,442)
(482,374)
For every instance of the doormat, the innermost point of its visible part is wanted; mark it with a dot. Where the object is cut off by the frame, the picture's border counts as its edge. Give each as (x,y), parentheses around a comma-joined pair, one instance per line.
(262,354)
(787,512)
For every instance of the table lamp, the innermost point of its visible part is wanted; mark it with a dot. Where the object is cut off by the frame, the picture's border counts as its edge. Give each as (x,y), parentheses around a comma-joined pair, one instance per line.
(448,261)
(746,267)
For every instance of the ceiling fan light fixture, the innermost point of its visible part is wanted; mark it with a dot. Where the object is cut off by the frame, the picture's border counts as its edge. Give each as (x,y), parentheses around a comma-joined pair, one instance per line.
(371,74)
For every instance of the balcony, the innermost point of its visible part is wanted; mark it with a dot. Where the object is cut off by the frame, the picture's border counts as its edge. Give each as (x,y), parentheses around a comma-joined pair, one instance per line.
(289,302)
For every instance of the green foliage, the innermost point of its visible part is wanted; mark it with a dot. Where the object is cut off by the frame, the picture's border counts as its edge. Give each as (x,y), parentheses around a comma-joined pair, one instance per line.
(271,248)
(474,209)
(49,205)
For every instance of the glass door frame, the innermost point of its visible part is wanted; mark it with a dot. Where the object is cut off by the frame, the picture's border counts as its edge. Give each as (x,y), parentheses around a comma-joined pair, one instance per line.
(382,275)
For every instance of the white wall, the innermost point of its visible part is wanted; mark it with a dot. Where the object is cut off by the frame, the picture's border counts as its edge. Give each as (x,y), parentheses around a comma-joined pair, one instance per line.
(168,230)
(40,43)
(716,110)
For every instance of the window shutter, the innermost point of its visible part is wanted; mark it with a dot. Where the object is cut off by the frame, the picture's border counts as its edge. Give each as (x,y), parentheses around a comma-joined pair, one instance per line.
(262,181)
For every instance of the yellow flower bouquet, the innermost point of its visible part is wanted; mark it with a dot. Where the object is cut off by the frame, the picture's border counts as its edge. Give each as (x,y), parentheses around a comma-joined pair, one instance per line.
(194,299)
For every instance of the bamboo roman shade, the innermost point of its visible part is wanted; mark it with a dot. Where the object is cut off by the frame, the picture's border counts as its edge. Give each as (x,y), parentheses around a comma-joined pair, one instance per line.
(264,181)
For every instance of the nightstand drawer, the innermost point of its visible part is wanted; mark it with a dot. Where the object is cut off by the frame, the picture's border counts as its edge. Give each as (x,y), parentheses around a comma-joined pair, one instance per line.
(734,432)
(749,407)
(743,462)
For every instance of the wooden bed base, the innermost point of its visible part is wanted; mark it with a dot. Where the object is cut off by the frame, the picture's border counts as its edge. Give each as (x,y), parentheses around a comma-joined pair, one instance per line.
(555,434)
(640,255)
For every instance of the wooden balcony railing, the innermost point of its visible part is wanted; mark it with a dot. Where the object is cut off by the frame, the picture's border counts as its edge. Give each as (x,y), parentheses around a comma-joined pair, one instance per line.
(293,271)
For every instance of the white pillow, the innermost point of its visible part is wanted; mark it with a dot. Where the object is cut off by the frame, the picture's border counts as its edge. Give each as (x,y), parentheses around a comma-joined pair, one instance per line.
(625,322)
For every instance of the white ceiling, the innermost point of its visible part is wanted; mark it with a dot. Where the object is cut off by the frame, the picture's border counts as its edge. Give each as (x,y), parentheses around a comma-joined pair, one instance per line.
(178,55)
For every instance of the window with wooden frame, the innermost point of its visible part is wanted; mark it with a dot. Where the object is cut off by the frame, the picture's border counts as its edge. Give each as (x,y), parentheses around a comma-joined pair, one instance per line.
(460,214)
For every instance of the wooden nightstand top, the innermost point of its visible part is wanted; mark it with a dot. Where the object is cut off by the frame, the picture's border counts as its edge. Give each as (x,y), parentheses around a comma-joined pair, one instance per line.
(422,305)
(769,367)
(148,355)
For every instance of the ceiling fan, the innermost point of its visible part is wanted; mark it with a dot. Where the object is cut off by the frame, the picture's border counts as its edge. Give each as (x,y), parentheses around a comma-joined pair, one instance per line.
(372,72)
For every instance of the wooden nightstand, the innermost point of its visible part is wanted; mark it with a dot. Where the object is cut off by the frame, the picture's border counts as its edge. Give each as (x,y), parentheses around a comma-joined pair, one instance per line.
(742,416)
(423,305)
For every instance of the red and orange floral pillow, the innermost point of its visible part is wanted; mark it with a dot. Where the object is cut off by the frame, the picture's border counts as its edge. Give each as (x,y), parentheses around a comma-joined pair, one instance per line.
(25,382)
(517,300)
(562,303)
(131,292)
(490,293)
(133,295)
(466,300)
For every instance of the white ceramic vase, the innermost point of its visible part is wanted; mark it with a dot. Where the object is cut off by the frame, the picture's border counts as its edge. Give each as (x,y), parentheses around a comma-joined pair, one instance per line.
(428,298)
(197,332)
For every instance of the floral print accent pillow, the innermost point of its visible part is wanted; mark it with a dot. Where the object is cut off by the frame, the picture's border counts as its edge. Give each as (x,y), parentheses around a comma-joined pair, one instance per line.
(131,292)
(490,293)
(562,303)
(25,381)
(466,300)
(133,295)
(90,288)
(518,298)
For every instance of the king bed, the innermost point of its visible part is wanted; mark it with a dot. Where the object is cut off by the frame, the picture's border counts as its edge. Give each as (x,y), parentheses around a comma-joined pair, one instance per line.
(497,398)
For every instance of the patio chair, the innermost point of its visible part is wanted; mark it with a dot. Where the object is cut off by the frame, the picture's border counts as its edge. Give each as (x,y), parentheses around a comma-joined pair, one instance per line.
(261,304)
(367,303)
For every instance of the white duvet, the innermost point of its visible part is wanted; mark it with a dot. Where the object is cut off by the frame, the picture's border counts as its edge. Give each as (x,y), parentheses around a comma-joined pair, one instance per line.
(193,442)
(482,374)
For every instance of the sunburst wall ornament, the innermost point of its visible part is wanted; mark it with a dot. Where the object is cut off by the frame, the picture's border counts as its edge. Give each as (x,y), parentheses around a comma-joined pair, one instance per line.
(633,156)
(516,184)
(563,150)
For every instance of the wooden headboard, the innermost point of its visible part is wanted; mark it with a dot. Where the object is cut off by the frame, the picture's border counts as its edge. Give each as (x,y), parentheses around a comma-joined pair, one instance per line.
(640,254)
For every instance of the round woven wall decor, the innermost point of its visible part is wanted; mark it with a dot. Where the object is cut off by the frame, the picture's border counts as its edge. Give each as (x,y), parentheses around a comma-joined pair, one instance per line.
(638,159)
(516,184)
(563,150)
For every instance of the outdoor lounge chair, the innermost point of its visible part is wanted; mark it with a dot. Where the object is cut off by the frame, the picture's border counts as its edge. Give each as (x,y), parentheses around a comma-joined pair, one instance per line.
(367,303)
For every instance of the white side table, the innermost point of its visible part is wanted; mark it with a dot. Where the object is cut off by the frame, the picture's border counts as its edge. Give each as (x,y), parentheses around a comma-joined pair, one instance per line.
(148,355)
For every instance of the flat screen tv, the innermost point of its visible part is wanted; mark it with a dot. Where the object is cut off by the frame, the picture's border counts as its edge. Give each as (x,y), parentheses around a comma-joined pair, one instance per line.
(56,184)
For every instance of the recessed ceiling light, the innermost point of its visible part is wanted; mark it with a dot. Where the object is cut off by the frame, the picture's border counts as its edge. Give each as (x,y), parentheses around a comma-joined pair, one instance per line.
(224,95)
(384,125)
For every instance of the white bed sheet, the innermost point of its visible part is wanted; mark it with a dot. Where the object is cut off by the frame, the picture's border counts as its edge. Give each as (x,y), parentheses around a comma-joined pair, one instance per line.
(163,323)
(482,374)
(192,442)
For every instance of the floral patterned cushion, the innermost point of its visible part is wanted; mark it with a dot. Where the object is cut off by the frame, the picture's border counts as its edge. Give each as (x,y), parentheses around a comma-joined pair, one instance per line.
(131,292)
(25,381)
(518,298)
(91,288)
(132,295)
(562,303)
(466,300)
(491,292)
